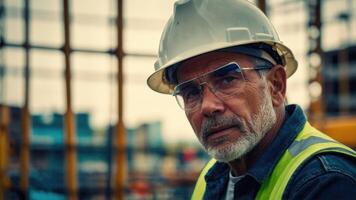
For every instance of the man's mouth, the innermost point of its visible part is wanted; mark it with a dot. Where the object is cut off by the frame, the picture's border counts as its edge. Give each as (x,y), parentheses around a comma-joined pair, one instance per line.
(216,132)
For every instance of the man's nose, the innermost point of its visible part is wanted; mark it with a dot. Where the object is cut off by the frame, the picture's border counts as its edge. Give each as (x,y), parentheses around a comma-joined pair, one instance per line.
(211,104)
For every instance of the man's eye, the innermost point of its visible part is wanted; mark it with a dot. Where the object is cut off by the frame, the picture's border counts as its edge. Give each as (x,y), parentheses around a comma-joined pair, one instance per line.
(227,80)
(190,94)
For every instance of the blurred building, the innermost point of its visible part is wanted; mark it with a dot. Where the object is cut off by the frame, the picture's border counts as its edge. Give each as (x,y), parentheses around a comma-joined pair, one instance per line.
(145,147)
(339,73)
(155,170)
(160,171)
(47,153)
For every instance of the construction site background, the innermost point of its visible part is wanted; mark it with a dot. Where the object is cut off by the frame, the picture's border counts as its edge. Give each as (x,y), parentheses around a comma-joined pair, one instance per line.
(77,120)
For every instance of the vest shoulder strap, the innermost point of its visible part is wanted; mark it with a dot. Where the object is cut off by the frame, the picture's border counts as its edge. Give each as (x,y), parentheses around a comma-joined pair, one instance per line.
(199,189)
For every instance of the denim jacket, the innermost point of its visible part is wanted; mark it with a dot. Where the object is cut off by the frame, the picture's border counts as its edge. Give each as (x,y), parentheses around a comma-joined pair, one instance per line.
(324,176)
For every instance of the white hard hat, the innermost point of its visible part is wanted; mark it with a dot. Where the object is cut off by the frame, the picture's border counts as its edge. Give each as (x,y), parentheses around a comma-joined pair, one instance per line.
(200,26)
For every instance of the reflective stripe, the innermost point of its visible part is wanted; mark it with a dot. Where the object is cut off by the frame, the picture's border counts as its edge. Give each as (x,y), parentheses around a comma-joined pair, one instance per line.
(342,150)
(299,146)
(199,189)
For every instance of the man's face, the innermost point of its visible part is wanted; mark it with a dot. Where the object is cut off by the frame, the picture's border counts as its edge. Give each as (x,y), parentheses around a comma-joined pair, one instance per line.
(229,128)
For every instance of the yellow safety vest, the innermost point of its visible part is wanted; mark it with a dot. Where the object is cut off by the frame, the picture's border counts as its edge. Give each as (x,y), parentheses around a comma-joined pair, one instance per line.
(309,142)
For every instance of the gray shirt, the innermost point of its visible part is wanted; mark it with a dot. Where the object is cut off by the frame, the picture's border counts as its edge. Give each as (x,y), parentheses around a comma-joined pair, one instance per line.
(231,185)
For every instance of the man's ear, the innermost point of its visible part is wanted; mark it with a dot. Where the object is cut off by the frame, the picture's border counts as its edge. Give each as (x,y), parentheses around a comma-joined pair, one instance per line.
(277,79)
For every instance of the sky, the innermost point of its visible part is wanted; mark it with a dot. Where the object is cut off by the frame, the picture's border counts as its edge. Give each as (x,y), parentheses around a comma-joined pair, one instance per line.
(143,23)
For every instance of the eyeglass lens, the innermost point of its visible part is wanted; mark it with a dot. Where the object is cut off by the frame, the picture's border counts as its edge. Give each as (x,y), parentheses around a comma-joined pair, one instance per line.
(224,82)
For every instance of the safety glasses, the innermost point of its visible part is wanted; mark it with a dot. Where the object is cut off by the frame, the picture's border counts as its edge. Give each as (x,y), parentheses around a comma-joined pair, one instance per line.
(225,82)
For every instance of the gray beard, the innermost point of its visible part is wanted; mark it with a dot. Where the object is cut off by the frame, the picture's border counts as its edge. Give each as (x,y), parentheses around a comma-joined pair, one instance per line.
(261,123)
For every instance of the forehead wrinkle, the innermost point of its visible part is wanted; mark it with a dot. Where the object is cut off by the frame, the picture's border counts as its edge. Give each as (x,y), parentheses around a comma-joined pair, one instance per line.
(202,64)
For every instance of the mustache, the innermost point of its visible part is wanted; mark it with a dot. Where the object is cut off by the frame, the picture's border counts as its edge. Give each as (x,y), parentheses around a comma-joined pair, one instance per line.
(220,121)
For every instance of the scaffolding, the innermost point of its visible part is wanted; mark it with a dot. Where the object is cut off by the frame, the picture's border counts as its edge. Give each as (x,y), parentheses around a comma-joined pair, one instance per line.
(116,187)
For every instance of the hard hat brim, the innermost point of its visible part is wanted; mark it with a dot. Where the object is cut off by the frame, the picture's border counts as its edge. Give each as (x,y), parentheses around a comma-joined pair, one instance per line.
(158,83)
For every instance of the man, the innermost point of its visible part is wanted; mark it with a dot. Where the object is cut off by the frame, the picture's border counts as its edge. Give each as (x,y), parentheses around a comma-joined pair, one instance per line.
(225,65)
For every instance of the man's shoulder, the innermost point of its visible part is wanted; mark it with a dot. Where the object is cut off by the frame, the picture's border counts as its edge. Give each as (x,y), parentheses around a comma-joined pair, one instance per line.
(326,163)
(323,174)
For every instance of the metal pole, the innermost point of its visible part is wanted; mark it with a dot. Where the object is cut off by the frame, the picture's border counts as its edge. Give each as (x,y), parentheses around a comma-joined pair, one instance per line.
(4,148)
(83,50)
(2,45)
(4,115)
(344,62)
(25,114)
(70,139)
(316,108)
(262,5)
(120,129)
(108,191)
